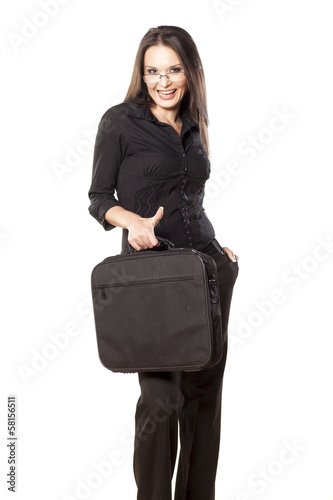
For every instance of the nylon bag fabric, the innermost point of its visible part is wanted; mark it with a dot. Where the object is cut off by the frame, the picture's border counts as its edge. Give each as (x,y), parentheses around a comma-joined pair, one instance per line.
(157,311)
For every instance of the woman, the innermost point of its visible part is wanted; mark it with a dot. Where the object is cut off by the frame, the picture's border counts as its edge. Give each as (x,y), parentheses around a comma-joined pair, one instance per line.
(153,150)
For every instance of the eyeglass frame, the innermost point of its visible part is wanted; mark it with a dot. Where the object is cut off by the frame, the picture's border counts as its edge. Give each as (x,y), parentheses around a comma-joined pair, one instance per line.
(160,75)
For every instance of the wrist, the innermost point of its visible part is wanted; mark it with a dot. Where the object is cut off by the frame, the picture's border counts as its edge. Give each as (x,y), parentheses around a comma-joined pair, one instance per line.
(131,219)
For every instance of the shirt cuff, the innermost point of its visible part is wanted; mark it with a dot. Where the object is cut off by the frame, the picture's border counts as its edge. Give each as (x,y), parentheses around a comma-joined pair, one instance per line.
(104,207)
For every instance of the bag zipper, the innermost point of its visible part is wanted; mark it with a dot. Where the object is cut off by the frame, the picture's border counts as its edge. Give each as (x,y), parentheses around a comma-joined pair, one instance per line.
(103,286)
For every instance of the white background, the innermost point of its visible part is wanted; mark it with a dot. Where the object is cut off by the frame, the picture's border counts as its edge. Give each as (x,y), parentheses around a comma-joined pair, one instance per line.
(261,58)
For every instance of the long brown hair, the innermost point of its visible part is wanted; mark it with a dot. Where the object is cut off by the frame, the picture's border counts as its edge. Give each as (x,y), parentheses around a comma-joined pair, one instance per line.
(195,99)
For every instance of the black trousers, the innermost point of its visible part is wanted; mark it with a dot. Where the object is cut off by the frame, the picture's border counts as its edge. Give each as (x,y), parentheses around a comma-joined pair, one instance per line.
(192,400)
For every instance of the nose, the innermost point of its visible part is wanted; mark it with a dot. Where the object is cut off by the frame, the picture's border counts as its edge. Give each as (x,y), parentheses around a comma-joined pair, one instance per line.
(164,81)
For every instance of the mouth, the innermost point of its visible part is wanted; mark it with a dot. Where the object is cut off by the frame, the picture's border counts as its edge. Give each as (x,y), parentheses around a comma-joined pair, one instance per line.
(166,94)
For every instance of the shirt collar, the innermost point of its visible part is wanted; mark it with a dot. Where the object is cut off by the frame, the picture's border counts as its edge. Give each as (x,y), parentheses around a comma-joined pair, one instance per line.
(143,111)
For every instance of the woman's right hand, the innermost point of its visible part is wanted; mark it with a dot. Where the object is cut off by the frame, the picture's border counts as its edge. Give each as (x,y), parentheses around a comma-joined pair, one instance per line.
(141,231)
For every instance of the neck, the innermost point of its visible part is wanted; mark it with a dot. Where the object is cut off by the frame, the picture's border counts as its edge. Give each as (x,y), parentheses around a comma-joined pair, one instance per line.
(171,115)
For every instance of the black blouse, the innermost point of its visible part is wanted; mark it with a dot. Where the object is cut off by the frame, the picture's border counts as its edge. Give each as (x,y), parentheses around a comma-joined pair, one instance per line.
(149,165)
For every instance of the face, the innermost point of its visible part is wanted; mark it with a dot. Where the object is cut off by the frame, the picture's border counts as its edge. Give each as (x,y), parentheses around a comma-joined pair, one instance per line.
(162,59)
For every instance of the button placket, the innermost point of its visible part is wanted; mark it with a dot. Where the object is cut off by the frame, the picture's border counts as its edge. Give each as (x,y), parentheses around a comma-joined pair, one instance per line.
(184,207)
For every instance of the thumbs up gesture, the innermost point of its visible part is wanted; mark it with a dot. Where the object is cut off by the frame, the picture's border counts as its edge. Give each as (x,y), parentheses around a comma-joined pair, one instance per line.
(141,231)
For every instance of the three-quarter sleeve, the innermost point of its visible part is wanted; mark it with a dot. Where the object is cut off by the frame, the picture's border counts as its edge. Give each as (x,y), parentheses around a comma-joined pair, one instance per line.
(106,162)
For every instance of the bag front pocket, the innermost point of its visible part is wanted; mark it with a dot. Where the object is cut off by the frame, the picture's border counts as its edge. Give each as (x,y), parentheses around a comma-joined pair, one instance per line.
(152,281)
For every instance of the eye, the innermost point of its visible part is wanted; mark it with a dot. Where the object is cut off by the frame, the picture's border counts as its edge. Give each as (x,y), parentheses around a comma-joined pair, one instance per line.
(176,70)
(152,71)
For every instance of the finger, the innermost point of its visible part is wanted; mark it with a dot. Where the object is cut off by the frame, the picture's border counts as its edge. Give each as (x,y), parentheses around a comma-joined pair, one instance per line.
(231,256)
(153,241)
(144,243)
(148,241)
(158,216)
(135,245)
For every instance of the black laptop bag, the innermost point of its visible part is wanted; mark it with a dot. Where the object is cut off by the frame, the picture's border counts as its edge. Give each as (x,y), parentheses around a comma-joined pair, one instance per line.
(157,310)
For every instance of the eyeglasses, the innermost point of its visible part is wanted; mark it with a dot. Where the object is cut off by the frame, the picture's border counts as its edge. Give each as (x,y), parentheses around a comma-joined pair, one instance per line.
(175,75)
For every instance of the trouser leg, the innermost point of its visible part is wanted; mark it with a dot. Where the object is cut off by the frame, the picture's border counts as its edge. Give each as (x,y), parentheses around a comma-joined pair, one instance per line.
(156,434)
(193,398)
(200,416)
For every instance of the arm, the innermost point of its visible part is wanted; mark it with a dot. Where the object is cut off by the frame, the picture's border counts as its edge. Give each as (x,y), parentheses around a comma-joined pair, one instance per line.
(105,207)
(106,163)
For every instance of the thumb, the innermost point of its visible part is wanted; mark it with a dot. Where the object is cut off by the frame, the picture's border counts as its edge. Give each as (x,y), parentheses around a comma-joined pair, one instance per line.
(158,216)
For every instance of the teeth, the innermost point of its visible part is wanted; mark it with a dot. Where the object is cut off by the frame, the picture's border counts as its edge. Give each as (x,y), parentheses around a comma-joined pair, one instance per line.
(166,92)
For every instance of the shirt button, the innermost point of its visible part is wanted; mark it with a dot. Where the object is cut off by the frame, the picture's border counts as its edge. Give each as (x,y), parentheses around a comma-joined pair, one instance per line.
(185,168)
(183,155)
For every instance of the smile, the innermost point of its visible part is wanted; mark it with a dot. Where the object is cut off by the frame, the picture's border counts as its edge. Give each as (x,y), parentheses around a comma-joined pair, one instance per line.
(166,94)
(166,91)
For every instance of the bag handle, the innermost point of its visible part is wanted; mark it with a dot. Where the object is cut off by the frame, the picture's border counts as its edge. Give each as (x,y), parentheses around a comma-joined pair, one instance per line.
(163,244)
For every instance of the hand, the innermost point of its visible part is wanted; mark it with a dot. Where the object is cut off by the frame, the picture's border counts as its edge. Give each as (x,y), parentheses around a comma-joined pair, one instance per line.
(141,231)
(231,254)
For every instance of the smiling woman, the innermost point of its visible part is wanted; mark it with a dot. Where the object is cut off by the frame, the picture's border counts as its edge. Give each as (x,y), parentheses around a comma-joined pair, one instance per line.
(163,50)
(153,150)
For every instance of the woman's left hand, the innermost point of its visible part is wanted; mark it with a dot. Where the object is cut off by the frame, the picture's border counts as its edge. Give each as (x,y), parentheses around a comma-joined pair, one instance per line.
(232,256)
